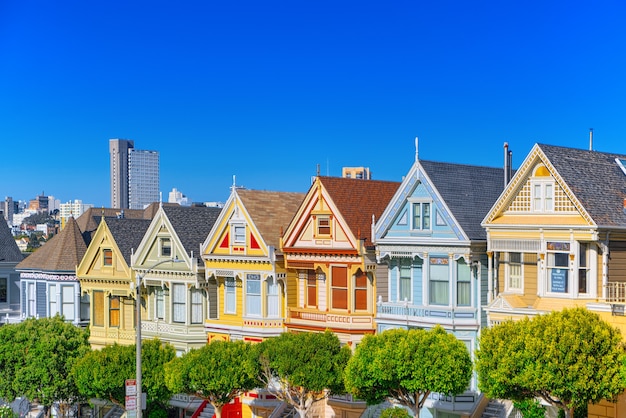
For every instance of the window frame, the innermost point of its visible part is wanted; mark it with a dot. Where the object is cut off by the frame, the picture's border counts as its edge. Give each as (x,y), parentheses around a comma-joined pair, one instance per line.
(197,306)
(4,290)
(361,292)
(98,314)
(323,225)
(53,303)
(433,263)
(107,257)
(339,285)
(408,266)
(558,251)
(230,295)
(159,303)
(272,296)
(115,312)
(179,304)
(254,298)
(542,199)
(310,294)
(511,275)
(239,233)
(463,281)
(165,247)
(422,219)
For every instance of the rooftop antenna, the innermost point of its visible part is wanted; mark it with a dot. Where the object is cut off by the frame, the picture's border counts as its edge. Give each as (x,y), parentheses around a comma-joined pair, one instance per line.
(590,139)
(318,170)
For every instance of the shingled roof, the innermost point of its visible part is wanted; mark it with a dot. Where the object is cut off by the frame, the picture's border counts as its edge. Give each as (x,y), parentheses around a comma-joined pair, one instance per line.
(62,253)
(596,180)
(468,191)
(271,212)
(358,200)
(192,224)
(127,234)
(9,251)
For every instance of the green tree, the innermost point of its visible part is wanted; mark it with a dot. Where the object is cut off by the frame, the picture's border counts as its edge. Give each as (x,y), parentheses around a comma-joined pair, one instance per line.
(36,357)
(217,372)
(102,373)
(405,366)
(395,413)
(304,368)
(567,358)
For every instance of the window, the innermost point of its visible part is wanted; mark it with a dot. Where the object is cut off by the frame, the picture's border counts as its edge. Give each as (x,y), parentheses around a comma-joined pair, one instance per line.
(463,284)
(558,266)
(196,306)
(98,308)
(438,281)
(543,196)
(583,267)
(107,257)
(67,302)
(3,290)
(230,295)
(311,289)
(339,287)
(114,311)
(253,294)
(421,216)
(32,298)
(514,272)
(273,301)
(404,288)
(85,313)
(179,297)
(166,247)
(239,234)
(159,300)
(323,225)
(53,308)
(360,291)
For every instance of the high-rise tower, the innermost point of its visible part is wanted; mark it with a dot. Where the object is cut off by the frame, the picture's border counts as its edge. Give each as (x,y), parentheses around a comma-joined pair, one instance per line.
(134,175)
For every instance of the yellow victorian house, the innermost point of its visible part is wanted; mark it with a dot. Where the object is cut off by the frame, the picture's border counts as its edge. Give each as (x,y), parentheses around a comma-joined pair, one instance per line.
(106,278)
(556,238)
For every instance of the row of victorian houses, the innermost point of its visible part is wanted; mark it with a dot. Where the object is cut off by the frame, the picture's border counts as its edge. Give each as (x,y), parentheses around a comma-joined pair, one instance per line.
(457,245)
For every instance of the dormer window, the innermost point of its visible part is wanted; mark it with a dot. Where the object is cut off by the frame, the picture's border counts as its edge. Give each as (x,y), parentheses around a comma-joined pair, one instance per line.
(542,190)
(166,247)
(107,257)
(421,216)
(323,225)
(239,234)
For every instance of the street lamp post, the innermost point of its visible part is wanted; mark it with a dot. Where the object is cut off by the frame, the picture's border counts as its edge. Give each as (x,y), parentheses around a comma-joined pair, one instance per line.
(138,278)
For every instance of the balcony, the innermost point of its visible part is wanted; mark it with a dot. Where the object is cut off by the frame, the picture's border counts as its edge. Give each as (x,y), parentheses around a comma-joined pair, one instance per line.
(616,292)
(315,318)
(419,315)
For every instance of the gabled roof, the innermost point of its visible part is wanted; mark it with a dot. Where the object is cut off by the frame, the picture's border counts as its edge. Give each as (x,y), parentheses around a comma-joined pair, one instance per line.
(89,220)
(358,200)
(62,253)
(595,179)
(192,224)
(270,211)
(468,191)
(9,251)
(127,234)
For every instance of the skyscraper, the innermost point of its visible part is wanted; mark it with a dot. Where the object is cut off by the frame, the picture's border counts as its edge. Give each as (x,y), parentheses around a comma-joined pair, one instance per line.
(134,175)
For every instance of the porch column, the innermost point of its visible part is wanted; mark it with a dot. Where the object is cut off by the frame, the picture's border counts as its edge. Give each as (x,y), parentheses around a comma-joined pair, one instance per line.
(489,277)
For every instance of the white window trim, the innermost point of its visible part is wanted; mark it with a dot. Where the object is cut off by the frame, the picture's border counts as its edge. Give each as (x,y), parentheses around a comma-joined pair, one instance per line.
(421,202)
(507,274)
(572,279)
(542,182)
(226,287)
(398,278)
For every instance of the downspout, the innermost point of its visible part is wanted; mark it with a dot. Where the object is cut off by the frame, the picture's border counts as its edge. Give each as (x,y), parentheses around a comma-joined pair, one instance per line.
(605,264)
(489,277)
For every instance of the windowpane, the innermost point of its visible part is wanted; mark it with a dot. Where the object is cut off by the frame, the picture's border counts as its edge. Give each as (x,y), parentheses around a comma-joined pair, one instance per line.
(98,308)
(114,311)
(107,257)
(240,234)
(196,306)
(159,295)
(3,290)
(583,267)
(31,299)
(273,304)
(253,294)
(405,281)
(360,292)
(515,271)
(426,216)
(311,289)
(52,299)
(67,295)
(323,226)
(166,247)
(179,297)
(439,285)
(229,295)
(339,288)
(463,284)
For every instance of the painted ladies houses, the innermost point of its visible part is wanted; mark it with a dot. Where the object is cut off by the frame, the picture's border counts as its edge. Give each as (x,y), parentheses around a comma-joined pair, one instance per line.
(10,256)
(175,293)
(556,239)
(432,252)
(328,248)
(48,281)
(245,265)
(106,278)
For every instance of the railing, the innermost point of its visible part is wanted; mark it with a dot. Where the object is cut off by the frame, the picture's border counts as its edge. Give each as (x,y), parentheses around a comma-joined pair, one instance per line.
(615,292)
(348,319)
(404,310)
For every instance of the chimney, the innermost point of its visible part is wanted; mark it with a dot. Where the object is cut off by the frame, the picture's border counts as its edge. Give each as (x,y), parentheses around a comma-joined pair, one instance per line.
(590,139)
(507,164)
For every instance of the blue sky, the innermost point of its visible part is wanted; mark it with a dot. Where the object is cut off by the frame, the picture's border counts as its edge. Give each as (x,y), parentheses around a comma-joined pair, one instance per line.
(268,91)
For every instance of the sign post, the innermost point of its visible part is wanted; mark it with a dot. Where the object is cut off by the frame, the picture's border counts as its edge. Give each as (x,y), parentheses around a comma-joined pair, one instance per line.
(131,398)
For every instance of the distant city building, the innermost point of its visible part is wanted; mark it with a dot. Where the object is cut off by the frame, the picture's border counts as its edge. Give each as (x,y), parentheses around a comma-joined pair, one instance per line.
(134,175)
(43,204)
(176,196)
(356,173)
(74,209)
(9,208)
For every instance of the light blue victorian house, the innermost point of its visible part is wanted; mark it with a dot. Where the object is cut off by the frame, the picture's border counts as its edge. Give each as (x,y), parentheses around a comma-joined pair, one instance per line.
(430,241)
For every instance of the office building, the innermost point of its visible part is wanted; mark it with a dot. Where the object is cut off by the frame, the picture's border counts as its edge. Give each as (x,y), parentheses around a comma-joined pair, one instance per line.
(134,175)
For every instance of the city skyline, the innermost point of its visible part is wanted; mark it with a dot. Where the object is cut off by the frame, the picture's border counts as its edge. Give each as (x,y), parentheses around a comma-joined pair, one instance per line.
(269,94)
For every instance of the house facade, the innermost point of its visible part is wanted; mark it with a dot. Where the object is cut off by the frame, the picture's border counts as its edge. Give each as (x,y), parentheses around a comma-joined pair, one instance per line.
(10,256)
(432,252)
(556,239)
(175,293)
(107,279)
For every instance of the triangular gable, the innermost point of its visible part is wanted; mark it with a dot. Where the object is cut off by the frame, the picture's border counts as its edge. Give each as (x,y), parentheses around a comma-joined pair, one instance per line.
(303,232)
(93,263)
(517,196)
(151,249)
(396,221)
(226,237)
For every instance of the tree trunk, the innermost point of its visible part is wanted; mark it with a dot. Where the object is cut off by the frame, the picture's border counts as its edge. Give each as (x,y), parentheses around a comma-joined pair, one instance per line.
(218,410)
(301,412)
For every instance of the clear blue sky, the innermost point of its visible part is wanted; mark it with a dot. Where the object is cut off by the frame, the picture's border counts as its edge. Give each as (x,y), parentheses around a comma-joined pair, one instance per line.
(268,90)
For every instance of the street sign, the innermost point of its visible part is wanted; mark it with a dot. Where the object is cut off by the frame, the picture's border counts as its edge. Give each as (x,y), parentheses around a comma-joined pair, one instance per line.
(131,403)
(131,387)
